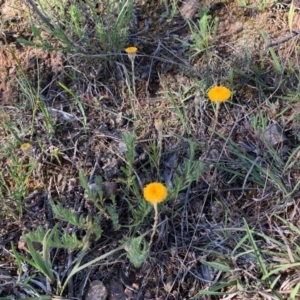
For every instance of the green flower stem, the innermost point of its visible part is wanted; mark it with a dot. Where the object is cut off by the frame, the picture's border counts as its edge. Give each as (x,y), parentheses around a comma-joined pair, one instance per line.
(216,117)
(214,125)
(155,224)
(133,77)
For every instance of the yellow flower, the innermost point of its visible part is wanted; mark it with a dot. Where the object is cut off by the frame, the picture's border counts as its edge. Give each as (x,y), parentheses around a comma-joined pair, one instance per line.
(158,124)
(155,192)
(26,147)
(131,50)
(219,94)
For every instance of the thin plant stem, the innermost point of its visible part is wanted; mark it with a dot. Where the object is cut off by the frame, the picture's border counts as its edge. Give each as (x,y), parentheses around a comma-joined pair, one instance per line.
(132,57)
(128,84)
(215,123)
(155,223)
(159,145)
(133,77)
(159,127)
(216,117)
(134,87)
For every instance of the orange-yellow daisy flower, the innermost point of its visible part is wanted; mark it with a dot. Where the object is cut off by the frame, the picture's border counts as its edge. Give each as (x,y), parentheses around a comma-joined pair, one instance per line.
(219,94)
(26,147)
(155,192)
(131,50)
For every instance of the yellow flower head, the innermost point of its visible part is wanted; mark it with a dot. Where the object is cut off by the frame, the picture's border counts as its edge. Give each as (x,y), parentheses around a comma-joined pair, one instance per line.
(158,124)
(155,192)
(26,147)
(131,50)
(219,94)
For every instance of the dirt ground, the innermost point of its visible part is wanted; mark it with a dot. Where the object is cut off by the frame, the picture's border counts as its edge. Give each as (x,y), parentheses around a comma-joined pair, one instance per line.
(174,269)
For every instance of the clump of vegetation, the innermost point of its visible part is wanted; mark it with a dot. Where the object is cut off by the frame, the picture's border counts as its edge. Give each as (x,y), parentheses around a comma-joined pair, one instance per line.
(85,27)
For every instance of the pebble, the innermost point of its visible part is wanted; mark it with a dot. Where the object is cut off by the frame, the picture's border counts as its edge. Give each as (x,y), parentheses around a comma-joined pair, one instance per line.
(96,291)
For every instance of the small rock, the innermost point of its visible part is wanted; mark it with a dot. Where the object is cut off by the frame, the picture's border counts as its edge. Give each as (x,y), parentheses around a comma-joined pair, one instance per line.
(111,168)
(122,147)
(108,189)
(116,290)
(189,8)
(96,291)
(274,134)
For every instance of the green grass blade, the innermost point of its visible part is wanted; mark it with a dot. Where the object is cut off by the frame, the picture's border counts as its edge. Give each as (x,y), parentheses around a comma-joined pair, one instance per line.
(255,248)
(291,15)
(277,66)
(216,265)
(295,291)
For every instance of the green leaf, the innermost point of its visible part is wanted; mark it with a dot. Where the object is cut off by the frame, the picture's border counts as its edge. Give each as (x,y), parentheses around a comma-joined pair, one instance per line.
(277,66)
(97,230)
(216,266)
(137,251)
(66,215)
(42,264)
(111,209)
(295,291)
